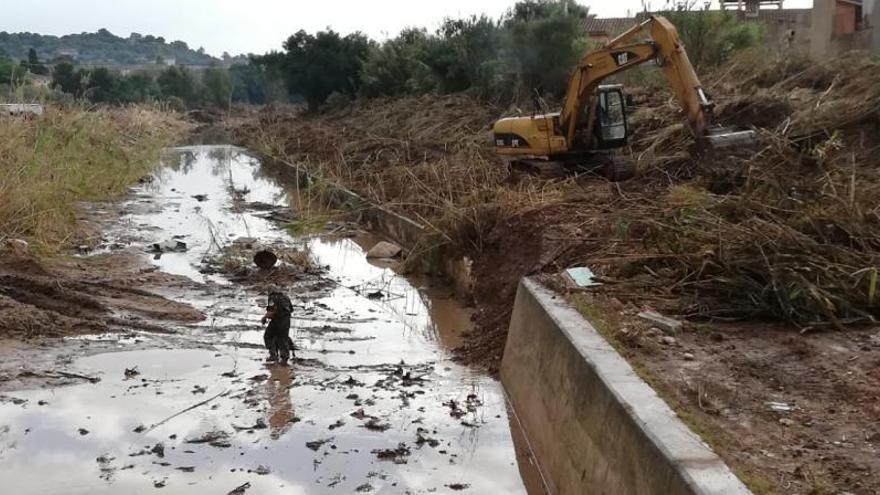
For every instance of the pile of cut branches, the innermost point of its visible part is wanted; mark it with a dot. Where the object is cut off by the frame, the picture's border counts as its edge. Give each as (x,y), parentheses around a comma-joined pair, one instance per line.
(789,231)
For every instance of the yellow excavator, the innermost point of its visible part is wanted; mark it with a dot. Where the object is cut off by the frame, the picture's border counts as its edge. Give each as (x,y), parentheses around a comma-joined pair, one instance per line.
(592,123)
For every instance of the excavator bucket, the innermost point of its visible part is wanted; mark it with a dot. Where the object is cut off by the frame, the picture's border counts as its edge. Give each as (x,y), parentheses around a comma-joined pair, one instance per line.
(725,139)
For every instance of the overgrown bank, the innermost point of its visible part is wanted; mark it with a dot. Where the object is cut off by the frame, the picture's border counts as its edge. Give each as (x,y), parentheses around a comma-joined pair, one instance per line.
(764,255)
(786,233)
(51,162)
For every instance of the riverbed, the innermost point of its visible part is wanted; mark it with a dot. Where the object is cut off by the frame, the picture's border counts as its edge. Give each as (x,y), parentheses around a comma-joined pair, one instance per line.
(373,402)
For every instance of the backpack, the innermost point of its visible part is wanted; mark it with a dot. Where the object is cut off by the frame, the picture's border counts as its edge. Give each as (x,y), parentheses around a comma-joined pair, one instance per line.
(280,303)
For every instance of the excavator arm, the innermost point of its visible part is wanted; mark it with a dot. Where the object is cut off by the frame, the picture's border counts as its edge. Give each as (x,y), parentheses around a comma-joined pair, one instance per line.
(570,136)
(627,51)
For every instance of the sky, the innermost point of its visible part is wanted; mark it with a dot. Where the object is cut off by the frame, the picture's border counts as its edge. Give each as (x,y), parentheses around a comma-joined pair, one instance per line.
(257,26)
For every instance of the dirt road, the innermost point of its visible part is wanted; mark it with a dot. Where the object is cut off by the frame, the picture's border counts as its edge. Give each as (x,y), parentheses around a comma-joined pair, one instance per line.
(373,402)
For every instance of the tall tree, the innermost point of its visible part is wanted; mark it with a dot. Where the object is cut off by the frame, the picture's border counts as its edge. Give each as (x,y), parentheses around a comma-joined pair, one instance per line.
(100,85)
(545,40)
(317,65)
(66,78)
(218,86)
(179,83)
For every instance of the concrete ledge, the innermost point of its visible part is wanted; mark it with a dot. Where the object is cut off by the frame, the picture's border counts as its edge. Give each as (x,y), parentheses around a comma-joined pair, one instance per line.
(593,424)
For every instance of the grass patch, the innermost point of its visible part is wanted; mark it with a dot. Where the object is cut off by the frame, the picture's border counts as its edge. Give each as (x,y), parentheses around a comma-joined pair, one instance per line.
(51,162)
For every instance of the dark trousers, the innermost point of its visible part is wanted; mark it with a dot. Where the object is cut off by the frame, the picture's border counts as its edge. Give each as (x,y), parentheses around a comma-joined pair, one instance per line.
(277,338)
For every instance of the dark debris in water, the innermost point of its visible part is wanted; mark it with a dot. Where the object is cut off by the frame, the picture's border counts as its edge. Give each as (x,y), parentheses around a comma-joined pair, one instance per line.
(396,455)
(239,490)
(214,438)
(458,486)
(316,444)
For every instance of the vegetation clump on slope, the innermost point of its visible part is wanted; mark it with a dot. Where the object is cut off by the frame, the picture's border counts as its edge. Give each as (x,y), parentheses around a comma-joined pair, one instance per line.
(51,162)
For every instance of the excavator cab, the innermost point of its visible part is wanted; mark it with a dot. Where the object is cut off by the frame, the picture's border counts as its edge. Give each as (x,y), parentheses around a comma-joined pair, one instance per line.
(610,129)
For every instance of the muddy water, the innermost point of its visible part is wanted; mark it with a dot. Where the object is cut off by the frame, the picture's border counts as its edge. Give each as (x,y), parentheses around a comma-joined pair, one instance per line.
(364,409)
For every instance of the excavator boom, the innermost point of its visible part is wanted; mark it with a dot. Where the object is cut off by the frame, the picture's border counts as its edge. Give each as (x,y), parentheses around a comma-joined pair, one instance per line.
(631,49)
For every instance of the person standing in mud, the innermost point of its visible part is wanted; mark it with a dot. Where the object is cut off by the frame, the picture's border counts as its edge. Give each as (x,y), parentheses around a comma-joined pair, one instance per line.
(276,337)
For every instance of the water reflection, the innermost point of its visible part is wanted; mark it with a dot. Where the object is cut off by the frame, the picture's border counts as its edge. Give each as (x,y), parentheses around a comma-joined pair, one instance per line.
(374,374)
(280,406)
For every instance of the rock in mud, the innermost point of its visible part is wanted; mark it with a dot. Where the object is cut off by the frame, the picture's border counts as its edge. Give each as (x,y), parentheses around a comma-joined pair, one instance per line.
(384,249)
(668,325)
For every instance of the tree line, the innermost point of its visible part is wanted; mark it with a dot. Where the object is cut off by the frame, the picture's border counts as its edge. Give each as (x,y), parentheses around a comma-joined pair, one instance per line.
(530,48)
(101,47)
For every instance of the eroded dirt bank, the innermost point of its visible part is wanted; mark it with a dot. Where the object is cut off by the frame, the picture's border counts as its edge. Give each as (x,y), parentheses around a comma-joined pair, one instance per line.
(373,402)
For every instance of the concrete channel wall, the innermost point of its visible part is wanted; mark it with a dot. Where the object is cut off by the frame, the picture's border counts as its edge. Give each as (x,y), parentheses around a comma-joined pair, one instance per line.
(593,424)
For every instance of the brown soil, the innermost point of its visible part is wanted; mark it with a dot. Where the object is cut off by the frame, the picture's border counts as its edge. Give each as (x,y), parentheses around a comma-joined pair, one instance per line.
(57,297)
(722,378)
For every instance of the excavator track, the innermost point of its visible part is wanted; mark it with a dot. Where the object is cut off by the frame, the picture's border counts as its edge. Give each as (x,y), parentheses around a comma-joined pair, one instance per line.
(612,167)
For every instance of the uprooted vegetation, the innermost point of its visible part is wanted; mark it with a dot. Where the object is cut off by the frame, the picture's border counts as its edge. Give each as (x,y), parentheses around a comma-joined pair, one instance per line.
(237,260)
(786,232)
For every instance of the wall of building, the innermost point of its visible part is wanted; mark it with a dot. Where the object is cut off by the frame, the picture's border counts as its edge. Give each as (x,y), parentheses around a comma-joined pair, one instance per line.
(845,18)
(839,26)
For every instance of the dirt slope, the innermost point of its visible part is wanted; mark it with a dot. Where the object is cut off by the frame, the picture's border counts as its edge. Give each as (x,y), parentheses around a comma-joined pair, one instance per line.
(50,298)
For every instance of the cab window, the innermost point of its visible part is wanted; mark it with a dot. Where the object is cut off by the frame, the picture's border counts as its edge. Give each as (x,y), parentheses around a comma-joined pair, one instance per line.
(612,121)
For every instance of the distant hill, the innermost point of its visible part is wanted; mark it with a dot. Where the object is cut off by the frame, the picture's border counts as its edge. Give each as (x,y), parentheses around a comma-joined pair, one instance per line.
(101,48)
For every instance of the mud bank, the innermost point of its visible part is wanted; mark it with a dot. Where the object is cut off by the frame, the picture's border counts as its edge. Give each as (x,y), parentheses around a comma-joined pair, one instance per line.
(373,402)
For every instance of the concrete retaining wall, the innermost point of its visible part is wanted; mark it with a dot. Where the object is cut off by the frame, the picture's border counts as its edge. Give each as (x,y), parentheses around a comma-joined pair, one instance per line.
(593,424)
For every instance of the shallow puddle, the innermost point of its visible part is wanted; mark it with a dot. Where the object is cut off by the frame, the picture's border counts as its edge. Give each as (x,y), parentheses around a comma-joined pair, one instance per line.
(373,403)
